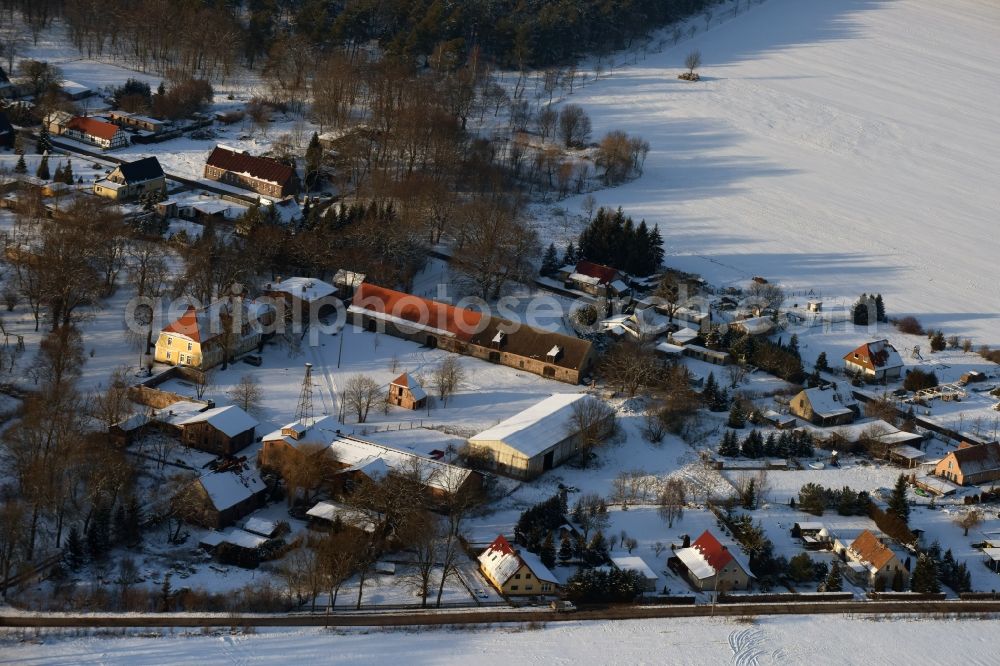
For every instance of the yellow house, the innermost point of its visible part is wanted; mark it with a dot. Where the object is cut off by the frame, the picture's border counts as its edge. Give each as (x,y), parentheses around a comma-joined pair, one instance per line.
(131,180)
(198,338)
(516,572)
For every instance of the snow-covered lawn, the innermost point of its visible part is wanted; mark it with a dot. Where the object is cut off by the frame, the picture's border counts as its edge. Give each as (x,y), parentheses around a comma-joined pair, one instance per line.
(821,639)
(840,147)
(785,484)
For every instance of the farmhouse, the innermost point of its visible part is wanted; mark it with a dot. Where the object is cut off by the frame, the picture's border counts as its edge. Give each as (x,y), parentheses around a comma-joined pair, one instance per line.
(538,438)
(131,180)
(221,430)
(471,332)
(289,438)
(878,561)
(200,338)
(302,296)
(263,175)
(711,566)
(405,392)
(516,572)
(824,406)
(596,279)
(95,132)
(874,360)
(970,464)
(219,499)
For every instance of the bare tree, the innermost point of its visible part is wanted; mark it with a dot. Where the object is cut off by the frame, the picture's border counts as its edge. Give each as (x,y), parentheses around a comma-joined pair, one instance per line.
(671,501)
(693,61)
(247,394)
(627,366)
(128,577)
(970,520)
(591,421)
(574,126)
(13,526)
(763,296)
(360,393)
(111,404)
(447,377)
(424,539)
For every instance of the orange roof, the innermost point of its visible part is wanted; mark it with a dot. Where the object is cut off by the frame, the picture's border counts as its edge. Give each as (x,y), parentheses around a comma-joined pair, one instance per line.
(460,322)
(186,324)
(93,127)
(868,548)
(714,552)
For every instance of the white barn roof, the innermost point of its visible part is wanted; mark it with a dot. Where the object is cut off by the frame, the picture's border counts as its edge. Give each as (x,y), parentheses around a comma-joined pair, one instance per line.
(538,428)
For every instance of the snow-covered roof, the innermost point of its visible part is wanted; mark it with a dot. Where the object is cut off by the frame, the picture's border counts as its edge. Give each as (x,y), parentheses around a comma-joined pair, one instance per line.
(755,325)
(634,563)
(179,412)
(695,563)
(584,279)
(233,535)
(346,278)
(230,420)
(667,348)
(260,526)
(829,401)
(810,525)
(404,324)
(327,510)
(304,289)
(361,454)
(618,286)
(684,335)
(408,382)
(319,430)
(538,428)
(226,489)
(534,563)
(908,452)
(502,561)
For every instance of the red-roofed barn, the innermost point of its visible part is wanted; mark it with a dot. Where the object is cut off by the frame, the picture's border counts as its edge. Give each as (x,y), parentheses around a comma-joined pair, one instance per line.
(96,132)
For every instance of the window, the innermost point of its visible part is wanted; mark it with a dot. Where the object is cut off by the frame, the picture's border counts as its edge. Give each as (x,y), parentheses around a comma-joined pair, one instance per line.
(529,588)
(168,356)
(518,576)
(527,575)
(513,588)
(189,346)
(546,587)
(170,341)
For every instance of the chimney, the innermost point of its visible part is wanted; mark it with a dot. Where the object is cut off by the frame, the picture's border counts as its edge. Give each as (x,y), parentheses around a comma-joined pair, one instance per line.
(277,280)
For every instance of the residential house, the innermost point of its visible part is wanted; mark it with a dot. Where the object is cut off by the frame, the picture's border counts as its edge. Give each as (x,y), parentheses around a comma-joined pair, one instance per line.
(825,406)
(200,338)
(470,332)
(131,180)
(971,464)
(303,297)
(290,438)
(220,498)
(876,360)
(263,175)
(95,131)
(221,430)
(405,392)
(878,562)
(538,438)
(754,326)
(711,566)
(596,279)
(516,572)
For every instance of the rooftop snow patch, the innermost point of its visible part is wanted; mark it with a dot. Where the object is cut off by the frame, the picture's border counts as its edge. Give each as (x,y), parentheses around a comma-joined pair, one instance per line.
(537,428)
(230,420)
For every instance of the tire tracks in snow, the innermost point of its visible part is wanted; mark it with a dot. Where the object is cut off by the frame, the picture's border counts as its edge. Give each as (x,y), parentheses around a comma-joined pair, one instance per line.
(747,646)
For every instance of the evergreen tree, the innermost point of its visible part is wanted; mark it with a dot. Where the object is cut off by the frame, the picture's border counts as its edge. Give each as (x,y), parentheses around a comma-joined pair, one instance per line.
(550,262)
(68,173)
(834,581)
(547,554)
(925,578)
(44,144)
(737,419)
(565,549)
(43,168)
(570,257)
(848,502)
(74,548)
(314,160)
(793,344)
(897,501)
(21,166)
(57,177)
(897,581)
(753,445)
(730,445)
(822,364)
(99,532)
(771,446)
(938,343)
(166,592)
(879,308)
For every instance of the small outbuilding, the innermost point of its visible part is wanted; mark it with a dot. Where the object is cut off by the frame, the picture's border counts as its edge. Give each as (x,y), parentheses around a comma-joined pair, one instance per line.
(638,565)
(405,392)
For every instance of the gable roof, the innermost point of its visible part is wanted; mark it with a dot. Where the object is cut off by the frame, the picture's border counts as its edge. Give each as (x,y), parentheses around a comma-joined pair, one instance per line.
(204,324)
(501,561)
(407,382)
(421,313)
(187,324)
(229,420)
(303,288)
(537,428)
(226,489)
(318,430)
(535,343)
(261,168)
(147,168)
(361,455)
(707,556)
(828,401)
(93,127)
(875,355)
(867,548)
(604,274)
(977,458)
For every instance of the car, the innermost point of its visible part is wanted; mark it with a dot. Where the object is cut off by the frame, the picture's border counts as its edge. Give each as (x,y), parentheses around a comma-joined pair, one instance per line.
(563,606)
(481,593)
(253,359)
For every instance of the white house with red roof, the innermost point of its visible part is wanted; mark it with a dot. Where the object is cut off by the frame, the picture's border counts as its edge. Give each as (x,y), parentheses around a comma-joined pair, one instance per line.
(516,572)
(95,131)
(714,567)
(874,360)
(596,279)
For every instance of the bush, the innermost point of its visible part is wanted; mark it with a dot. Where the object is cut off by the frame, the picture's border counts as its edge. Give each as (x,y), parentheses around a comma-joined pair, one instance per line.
(909,325)
(602,586)
(917,379)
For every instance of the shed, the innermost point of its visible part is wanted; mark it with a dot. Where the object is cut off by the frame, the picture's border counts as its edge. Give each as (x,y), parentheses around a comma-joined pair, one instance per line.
(637,564)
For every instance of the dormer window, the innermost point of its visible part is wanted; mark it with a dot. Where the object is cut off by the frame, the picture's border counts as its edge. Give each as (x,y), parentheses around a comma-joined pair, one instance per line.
(499,338)
(554,354)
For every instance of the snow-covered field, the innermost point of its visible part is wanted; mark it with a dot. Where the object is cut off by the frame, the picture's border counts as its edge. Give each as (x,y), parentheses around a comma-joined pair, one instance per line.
(823,639)
(843,147)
